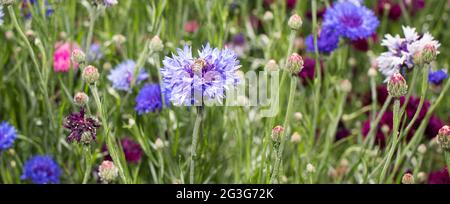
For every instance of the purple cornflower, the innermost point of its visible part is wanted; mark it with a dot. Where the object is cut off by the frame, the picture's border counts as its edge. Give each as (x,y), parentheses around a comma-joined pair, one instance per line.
(34,4)
(131,149)
(439,177)
(95,52)
(437,77)
(351,21)
(122,75)
(82,129)
(327,41)
(1,15)
(110,2)
(149,99)
(189,79)
(8,135)
(41,170)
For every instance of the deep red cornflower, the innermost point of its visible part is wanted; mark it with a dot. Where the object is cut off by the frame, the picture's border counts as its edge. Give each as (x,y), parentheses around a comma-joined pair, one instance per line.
(309,70)
(131,149)
(386,121)
(433,127)
(439,177)
(82,129)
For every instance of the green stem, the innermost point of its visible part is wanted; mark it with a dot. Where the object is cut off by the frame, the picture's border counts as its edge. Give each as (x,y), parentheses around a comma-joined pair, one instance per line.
(447,160)
(116,154)
(394,140)
(195,135)
(279,153)
(92,18)
(422,100)
(88,163)
(318,75)
(36,65)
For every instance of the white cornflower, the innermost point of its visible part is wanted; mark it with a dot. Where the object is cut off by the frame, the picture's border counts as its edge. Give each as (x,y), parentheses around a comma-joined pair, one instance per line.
(401,50)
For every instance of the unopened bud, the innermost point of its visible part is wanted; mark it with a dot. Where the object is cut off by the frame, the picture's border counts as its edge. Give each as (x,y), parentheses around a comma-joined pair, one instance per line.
(408,179)
(86,138)
(298,116)
(78,56)
(310,168)
(119,39)
(90,74)
(295,22)
(108,172)
(296,138)
(271,66)
(444,137)
(156,45)
(345,86)
(295,63)
(268,16)
(429,53)
(372,72)
(422,149)
(159,144)
(7,2)
(397,86)
(81,99)
(276,133)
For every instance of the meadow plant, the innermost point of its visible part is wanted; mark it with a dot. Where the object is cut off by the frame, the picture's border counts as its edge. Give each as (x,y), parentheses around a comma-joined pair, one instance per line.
(165,91)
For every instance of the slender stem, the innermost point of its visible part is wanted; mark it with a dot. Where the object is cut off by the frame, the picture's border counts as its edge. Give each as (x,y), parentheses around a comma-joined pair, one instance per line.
(111,143)
(447,160)
(195,136)
(373,88)
(318,75)
(88,163)
(276,167)
(36,65)
(422,100)
(92,19)
(394,140)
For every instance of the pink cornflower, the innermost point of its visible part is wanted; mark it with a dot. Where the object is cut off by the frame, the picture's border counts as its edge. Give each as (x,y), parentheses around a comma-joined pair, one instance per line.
(61,57)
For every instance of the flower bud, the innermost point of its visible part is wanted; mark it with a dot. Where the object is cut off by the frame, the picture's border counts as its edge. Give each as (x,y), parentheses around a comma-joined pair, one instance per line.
(444,137)
(276,132)
(372,72)
(298,116)
(271,66)
(397,86)
(408,179)
(295,63)
(310,168)
(295,22)
(296,138)
(108,172)
(159,144)
(7,2)
(422,149)
(90,74)
(268,16)
(86,138)
(78,56)
(81,99)
(119,39)
(156,45)
(429,53)
(345,86)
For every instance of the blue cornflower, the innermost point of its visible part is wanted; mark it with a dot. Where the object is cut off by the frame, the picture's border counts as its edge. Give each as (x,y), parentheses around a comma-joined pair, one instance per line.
(95,52)
(34,4)
(437,77)
(351,21)
(1,15)
(327,41)
(41,170)
(7,135)
(149,99)
(122,75)
(189,80)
